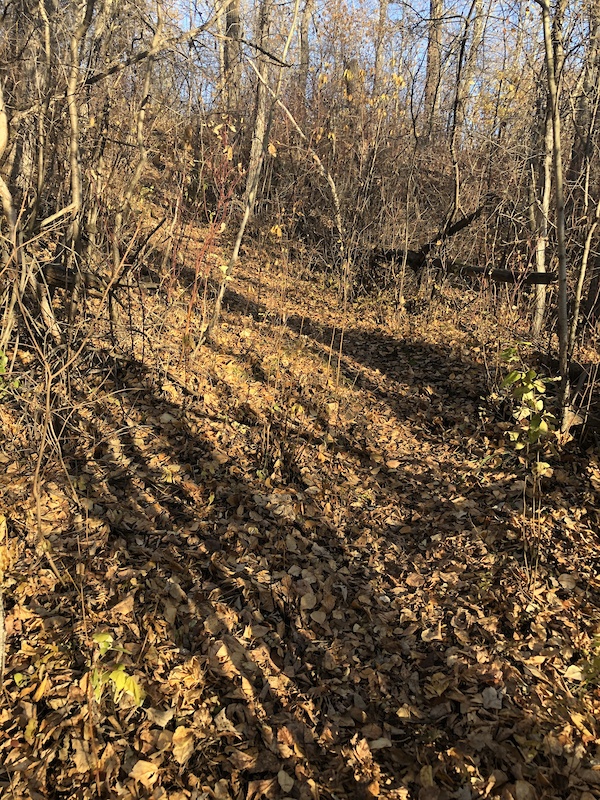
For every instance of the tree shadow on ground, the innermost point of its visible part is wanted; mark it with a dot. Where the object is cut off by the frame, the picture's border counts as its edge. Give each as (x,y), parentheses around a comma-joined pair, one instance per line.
(300,630)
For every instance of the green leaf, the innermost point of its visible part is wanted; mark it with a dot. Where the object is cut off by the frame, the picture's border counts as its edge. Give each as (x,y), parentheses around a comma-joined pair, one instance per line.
(510,354)
(99,679)
(511,378)
(522,413)
(104,642)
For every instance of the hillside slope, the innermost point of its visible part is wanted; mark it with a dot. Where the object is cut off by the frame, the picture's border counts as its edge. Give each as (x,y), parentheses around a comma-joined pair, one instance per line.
(300,562)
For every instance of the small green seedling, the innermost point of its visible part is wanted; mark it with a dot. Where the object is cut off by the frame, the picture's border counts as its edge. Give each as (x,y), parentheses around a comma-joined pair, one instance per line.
(527,387)
(115,676)
(5,384)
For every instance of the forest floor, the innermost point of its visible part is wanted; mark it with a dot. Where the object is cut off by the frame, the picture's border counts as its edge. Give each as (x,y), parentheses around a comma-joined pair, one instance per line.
(302,562)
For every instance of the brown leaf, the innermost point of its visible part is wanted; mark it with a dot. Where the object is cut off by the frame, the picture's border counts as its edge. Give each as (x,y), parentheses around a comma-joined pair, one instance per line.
(415,580)
(308,601)
(159,716)
(285,781)
(183,744)
(265,788)
(379,744)
(524,791)
(145,772)
(125,607)
(82,756)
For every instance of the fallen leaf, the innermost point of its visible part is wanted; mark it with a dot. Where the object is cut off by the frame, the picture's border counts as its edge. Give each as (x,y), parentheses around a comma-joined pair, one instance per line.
(145,772)
(573,673)
(285,781)
(81,756)
(159,716)
(308,601)
(125,607)
(379,744)
(183,744)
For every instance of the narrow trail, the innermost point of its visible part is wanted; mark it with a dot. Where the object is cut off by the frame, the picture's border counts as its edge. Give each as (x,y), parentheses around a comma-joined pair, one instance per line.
(313,561)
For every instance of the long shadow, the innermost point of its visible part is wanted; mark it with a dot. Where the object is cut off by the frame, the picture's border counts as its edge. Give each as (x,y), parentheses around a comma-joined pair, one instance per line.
(303,641)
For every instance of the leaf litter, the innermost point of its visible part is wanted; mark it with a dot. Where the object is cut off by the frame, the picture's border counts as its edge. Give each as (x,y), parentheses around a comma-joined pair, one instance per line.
(297,566)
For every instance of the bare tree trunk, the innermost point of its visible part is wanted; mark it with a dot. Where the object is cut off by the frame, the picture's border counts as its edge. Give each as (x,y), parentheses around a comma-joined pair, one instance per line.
(379,42)
(474,26)
(142,152)
(262,123)
(539,209)
(433,75)
(13,265)
(554,60)
(232,57)
(587,98)
(73,241)
(304,55)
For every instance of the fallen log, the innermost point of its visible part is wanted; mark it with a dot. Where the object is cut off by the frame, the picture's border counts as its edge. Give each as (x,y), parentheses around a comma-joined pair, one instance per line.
(498,274)
(58,277)
(416,260)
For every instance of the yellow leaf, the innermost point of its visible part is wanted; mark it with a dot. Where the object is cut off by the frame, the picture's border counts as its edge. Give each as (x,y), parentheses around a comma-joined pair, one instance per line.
(41,689)
(30,730)
(573,673)
(272,149)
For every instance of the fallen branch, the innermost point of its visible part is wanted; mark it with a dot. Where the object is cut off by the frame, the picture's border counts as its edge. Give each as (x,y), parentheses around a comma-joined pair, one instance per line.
(416,260)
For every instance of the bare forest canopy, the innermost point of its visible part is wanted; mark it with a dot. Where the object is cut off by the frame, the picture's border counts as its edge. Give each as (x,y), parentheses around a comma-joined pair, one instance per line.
(299,307)
(351,128)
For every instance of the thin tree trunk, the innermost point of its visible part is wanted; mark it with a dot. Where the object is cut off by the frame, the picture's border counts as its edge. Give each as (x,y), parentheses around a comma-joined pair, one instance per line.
(587,97)
(379,43)
(260,137)
(304,55)
(539,212)
(474,23)
(433,74)
(554,58)
(232,57)
(73,241)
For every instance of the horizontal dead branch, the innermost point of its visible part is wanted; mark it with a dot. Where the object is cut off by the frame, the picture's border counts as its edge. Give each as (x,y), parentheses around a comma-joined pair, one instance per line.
(498,274)
(416,260)
(57,277)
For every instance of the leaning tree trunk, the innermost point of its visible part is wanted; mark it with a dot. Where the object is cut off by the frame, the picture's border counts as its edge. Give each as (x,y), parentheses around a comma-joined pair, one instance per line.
(553,53)
(433,75)
(260,136)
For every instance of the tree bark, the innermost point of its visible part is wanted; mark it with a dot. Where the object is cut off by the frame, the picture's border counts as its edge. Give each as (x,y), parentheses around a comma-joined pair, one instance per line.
(540,186)
(552,30)
(232,57)
(379,43)
(304,56)
(433,75)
